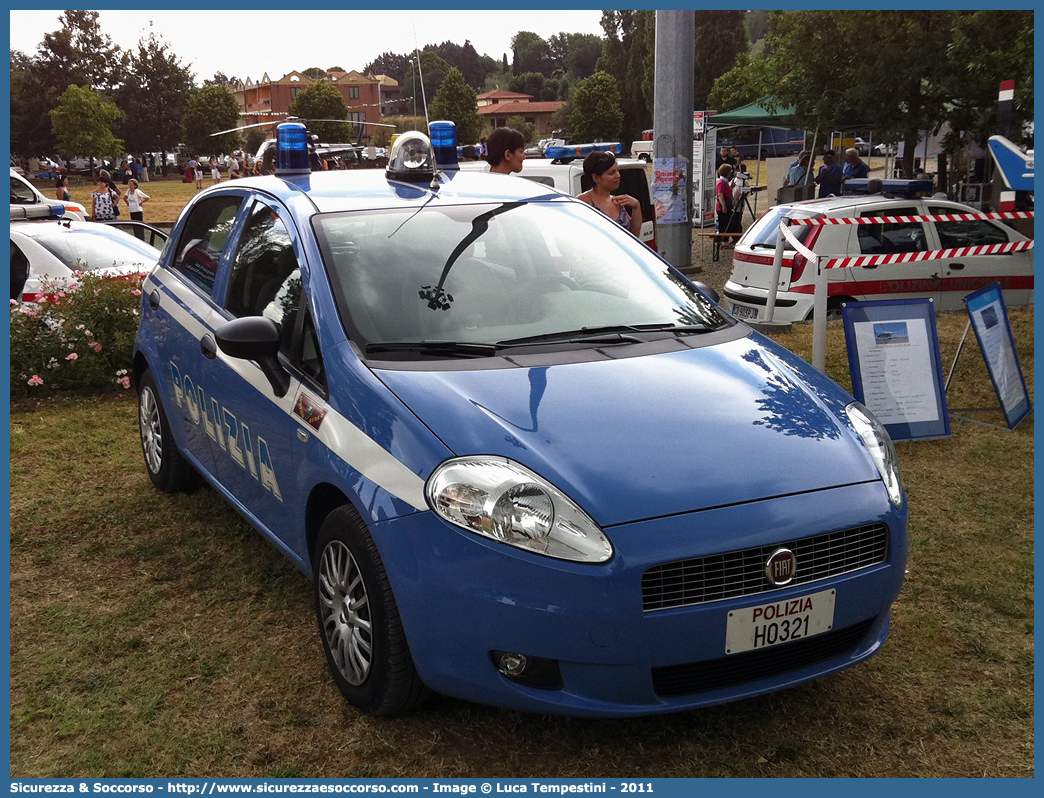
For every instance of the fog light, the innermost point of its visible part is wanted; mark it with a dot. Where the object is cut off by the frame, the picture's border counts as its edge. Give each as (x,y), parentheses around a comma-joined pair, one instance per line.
(538,672)
(512,664)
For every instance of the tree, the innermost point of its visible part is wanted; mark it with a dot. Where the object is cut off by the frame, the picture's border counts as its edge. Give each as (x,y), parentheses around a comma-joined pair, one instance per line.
(322,100)
(720,39)
(456,101)
(254,137)
(393,65)
(315,73)
(210,109)
(527,129)
(78,53)
(531,54)
(434,69)
(463,57)
(629,56)
(575,55)
(747,82)
(221,79)
(83,122)
(941,65)
(596,113)
(154,97)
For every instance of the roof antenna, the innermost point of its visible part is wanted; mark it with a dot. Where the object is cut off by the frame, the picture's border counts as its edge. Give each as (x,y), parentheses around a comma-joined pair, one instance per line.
(420,71)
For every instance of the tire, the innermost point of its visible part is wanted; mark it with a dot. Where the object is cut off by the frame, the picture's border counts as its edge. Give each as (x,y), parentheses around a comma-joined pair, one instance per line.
(168,470)
(833,308)
(644,157)
(359,624)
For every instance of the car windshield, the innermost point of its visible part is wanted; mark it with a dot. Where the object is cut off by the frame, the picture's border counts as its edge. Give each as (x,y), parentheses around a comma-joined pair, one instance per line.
(98,248)
(499,274)
(764,232)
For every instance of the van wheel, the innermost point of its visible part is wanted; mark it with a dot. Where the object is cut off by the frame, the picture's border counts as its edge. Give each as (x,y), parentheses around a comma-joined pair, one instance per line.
(643,157)
(359,624)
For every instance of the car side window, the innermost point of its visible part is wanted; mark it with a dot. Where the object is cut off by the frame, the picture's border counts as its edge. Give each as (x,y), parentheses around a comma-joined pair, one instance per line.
(266,277)
(21,194)
(203,240)
(883,239)
(973,233)
(311,357)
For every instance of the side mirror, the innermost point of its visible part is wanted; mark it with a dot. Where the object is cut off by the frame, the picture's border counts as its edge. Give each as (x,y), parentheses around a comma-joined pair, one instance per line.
(707,291)
(256,338)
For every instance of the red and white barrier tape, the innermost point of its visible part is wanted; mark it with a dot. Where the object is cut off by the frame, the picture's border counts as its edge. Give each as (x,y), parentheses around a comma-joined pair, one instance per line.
(935,254)
(900,257)
(942,217)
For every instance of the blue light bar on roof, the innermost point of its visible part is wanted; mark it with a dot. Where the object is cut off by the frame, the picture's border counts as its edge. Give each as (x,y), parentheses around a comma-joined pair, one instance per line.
(582,150)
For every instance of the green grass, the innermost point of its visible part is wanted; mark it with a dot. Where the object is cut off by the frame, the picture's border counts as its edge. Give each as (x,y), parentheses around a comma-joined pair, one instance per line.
(157,635)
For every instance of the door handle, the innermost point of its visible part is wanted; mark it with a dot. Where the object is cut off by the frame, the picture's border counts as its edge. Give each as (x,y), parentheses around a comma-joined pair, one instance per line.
(154,299)
(956,266)
(208,346)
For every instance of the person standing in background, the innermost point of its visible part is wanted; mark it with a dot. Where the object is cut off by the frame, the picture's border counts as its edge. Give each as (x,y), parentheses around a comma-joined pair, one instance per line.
(135,198)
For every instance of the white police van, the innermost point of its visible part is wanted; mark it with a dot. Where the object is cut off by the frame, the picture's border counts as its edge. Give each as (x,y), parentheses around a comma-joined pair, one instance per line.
(563,171)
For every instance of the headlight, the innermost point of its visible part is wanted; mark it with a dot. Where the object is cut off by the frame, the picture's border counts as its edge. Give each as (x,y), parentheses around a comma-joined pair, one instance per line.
(881,449)
(507,502)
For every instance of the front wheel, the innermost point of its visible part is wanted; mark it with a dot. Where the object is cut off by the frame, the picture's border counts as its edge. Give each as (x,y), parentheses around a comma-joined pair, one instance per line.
(359,624)
(168,469)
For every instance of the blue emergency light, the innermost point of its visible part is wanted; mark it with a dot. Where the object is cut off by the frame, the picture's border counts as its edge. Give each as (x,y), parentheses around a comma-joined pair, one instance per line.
(444,140)
(292,149)
(571,151)
(897,188)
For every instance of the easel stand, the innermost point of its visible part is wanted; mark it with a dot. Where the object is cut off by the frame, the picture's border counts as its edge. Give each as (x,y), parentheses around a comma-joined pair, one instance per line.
(955,410)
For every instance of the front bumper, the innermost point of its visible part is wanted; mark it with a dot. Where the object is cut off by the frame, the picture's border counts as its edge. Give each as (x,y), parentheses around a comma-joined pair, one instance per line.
(461,596)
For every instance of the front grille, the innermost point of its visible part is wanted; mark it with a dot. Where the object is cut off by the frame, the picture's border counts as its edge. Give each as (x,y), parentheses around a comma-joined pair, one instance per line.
(742,573)
(752,666)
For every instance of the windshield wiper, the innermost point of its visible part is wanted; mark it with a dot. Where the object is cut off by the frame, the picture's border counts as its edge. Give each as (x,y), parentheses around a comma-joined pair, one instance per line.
(613,334)
(444,348)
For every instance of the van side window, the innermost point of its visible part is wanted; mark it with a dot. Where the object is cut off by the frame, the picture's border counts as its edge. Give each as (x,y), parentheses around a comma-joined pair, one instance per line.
(882,239)
(203,239)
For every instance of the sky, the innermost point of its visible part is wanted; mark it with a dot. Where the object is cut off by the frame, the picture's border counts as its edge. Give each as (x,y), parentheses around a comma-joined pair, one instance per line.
(208,41)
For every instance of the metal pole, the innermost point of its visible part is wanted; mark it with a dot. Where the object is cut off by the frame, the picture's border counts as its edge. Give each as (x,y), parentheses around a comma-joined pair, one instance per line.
(672,120)
(777,267)
(819,319)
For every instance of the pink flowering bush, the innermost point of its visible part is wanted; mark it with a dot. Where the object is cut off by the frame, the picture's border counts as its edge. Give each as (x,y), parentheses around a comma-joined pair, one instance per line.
(76,339)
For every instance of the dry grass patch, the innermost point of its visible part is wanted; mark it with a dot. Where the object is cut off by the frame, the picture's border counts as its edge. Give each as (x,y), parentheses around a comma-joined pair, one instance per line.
(157,635)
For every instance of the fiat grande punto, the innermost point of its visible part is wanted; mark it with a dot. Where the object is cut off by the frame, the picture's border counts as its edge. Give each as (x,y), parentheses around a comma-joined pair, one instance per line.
(522,459)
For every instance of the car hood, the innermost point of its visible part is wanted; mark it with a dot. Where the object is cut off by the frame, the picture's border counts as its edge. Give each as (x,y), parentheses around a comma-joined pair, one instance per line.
(642,437)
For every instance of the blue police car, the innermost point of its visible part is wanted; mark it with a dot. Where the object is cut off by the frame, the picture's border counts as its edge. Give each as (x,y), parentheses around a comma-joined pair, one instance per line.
(523,460)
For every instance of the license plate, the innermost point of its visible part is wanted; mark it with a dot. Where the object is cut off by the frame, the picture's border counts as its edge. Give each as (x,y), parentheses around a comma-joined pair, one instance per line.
(743,312)
(779,622)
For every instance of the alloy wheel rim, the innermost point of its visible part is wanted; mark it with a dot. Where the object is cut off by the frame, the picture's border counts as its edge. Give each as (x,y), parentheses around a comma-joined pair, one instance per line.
(345,613)
(151,431)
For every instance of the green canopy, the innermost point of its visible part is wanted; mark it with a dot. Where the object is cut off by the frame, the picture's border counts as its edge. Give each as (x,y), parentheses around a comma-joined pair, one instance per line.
(754,115)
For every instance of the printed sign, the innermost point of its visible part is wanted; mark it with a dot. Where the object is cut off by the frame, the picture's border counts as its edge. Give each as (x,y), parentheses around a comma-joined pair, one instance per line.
(704,147)
(989,319)
(893,354)
(670,196)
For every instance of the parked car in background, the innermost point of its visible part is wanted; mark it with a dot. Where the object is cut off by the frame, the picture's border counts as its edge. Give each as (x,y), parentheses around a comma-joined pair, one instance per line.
(152,236)
(27,202)
(773,143)
(945,281)
(56,249)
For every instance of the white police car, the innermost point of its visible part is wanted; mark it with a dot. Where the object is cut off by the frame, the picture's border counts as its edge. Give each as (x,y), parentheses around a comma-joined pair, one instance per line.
(523,460)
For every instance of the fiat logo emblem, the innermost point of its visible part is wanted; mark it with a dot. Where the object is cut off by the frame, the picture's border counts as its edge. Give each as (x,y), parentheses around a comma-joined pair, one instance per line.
(781,567)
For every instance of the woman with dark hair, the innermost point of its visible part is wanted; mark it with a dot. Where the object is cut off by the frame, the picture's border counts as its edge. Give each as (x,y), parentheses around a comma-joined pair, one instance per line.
(603,171)
(62,189)
(505,151)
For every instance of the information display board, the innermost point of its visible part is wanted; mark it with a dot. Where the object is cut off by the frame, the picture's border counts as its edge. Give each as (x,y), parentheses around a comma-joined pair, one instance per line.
(893,354)
(704,174)
(989,318)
